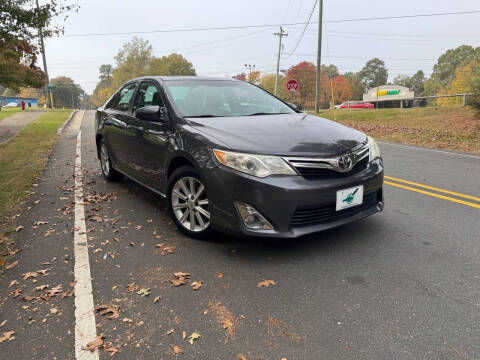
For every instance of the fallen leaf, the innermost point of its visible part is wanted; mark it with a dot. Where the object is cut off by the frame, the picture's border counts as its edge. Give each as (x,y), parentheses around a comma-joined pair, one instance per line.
(193,337)
(132,287)
(177,350)
(184,335)
(7,336)
(54,291)
(41,287)
(28,298)
(127,320)
(53,310)
(143,292)
(108,309)
(12,283)
(111,349)
(94,344)
(18,228)
(29,275)
(169,332)
(226,323)
(157,299)
(178,282)
(37,223)
(138,227)
(196,285)
(220,275)
(149,220)
(16,292)
(265,283)
(241,357)
(97,250)
(182,274)
(12,265)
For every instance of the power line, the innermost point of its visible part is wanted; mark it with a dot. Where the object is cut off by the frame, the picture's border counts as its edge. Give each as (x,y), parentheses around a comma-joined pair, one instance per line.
(273,25)
(305,28)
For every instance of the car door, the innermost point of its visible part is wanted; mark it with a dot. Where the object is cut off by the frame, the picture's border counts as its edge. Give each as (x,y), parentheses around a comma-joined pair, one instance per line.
(151,138)
(116,118)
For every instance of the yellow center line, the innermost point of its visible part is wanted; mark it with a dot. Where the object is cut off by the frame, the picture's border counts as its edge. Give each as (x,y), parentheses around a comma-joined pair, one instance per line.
(433,188)
(434,195)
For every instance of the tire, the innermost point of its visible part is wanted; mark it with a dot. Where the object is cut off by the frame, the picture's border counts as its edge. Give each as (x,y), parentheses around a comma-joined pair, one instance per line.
(188,202)
(108,171)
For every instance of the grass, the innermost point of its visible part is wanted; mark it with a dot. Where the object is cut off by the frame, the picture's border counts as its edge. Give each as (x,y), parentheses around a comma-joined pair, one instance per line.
(455,128)
(6,112)
(23,159)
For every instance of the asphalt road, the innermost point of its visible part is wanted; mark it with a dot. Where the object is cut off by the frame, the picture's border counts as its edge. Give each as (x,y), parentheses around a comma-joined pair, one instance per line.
(403,284)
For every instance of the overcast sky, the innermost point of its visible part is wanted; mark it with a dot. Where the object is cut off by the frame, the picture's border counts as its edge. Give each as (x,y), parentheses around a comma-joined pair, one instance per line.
(406,45)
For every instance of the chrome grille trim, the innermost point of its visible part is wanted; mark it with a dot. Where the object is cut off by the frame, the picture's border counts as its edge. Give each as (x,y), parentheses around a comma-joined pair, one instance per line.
(330,163)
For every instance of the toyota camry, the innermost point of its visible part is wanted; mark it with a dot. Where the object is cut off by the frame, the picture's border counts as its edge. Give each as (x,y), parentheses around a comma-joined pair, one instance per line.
(227,155)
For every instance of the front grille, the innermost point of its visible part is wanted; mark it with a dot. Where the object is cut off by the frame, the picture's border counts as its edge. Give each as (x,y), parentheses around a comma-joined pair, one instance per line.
(325,214)
(322,173)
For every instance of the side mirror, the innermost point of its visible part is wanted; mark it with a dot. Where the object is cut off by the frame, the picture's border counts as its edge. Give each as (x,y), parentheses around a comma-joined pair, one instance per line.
(152,113)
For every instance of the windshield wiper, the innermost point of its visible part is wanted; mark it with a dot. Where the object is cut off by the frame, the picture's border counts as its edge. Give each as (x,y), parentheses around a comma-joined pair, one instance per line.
(265,113)
(202,116)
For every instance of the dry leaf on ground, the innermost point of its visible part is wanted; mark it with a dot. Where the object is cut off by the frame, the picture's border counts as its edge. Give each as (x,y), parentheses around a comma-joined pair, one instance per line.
(177,350)
(108,309)
(169,332)
(41,287)
(265,283)
(111,349)
(12,283)
(55,291)
(7,336)
(178,282)
(181,274)
(144,292)
(157,299)
(132,287)
(241,357)
(12,265)
(220,274)
(196,285)
(94,344)
(225,318)
(193,337)
(18,228)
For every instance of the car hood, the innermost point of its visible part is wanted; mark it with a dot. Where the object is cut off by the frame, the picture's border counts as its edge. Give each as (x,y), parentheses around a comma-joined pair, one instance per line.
(296,134)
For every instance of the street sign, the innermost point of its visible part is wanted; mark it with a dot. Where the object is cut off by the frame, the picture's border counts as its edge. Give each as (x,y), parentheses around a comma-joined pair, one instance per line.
(292,85)
(51,86)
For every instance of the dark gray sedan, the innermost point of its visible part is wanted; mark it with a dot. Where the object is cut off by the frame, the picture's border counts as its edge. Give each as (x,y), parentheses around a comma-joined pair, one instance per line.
(228,155)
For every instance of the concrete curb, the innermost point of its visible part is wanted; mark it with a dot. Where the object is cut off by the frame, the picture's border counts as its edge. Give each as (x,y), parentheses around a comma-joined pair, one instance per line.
(61,128)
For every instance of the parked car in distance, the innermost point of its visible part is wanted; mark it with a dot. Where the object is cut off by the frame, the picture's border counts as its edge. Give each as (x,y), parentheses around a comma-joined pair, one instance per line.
(11,105)
(355,105)
(227,155)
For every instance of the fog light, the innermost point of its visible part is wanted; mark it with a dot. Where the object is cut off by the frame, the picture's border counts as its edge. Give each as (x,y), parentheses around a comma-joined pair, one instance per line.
(252,219)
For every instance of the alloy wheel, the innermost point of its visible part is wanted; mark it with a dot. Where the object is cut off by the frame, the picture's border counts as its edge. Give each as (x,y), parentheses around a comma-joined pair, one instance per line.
(190,204)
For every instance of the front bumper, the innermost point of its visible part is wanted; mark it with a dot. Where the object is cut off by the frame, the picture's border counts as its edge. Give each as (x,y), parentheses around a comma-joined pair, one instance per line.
(278,198)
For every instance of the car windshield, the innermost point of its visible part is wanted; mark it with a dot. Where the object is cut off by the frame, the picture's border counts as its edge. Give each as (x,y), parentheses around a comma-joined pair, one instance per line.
(222,98)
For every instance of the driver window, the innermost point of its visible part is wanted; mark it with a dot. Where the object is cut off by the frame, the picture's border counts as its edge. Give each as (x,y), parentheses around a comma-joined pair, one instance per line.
(148,95)
(124,97)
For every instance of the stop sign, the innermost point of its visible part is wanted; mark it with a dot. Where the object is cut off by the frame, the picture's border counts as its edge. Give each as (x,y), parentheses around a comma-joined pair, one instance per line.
(292,85)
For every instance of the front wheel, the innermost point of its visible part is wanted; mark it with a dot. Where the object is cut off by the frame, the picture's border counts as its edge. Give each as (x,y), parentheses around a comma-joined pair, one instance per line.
(188,202)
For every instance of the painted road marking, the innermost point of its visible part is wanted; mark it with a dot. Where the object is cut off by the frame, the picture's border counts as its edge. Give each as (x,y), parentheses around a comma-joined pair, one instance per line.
(432,150)
(433,188)
(434,195)
(85,329)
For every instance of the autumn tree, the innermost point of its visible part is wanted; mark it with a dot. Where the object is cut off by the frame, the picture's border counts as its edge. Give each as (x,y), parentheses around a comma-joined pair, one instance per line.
(20,21)
(101,96)
(330,71)
(466,80)
(374,73)
(305,74)
(267,82)
(66,93)
(173,64)
(254,77)
(240,76)
(341,89)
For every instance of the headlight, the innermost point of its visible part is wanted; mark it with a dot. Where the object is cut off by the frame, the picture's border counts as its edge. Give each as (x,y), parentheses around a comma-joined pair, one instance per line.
(256,165)
(374,150)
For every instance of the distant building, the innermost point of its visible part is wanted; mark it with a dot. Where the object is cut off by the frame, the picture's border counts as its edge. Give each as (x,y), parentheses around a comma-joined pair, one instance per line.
(29,102)
(387,93)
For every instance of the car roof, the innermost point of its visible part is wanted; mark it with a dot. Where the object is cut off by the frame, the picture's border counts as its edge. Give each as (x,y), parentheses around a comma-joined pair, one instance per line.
(176,78)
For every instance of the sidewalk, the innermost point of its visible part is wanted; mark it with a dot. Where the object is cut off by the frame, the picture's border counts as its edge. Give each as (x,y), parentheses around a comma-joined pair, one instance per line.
(12,125)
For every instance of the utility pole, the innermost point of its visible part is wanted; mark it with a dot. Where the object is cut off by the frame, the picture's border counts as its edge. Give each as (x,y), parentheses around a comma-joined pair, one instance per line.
(42,46)
(319,56)
(281,34)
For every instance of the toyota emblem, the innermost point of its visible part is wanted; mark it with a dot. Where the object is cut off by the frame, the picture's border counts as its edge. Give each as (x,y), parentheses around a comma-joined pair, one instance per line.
(345,162)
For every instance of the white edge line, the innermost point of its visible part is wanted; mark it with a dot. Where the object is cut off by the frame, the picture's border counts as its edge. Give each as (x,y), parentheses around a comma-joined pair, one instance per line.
(432,150)
(85,328)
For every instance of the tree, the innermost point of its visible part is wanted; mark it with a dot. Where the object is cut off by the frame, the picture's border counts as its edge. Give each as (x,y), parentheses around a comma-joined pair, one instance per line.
(415,83)
(106,76)
(467,79)
(173,64)
(254,77)
(101,96)
(241,76)
(305,74)
(329,71)
(341,89)
(66,93)
(9,92)
(444,70)
(374,73)
(356,85)
(20,21)
(267,82)
(133,60)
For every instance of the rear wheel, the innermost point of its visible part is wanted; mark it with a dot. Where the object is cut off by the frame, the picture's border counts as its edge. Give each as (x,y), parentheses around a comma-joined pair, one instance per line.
(106,163)
(188,202)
